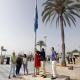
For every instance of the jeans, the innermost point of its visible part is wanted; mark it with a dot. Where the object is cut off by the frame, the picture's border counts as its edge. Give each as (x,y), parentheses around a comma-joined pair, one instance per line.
(25,68)
(18,69)
(12,70)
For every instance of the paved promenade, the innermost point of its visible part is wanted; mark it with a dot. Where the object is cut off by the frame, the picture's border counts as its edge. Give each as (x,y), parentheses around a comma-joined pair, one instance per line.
(62,73)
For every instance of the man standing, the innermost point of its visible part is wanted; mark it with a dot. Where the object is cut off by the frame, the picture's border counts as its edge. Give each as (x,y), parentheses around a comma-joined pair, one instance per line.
(53,57)
(43,59)
(13,65)
(18,64)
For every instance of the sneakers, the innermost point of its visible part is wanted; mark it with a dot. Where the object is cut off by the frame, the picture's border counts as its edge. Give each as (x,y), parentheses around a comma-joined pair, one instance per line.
(14,76)
(10,77)
(53,77)
(44,76)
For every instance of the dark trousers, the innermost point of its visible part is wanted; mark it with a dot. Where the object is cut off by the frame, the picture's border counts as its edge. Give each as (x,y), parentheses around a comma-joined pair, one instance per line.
(74,60)
(18,69)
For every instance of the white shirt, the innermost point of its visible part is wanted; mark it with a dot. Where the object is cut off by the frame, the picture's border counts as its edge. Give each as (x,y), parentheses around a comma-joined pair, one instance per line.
(24,60)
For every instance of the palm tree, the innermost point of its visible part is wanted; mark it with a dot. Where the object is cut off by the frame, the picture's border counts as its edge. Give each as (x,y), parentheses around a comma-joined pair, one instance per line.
(78,0)
(75,51)
(64,11)
(41,43)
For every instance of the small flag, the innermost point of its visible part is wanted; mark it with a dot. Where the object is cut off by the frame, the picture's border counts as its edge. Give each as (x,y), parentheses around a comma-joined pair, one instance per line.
(36,20)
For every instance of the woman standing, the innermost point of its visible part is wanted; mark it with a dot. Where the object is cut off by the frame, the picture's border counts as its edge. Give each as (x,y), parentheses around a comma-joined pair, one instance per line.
(37,63)
(25,64)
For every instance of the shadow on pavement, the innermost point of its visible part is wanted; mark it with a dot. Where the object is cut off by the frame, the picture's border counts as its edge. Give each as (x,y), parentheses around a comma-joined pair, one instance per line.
(59,76)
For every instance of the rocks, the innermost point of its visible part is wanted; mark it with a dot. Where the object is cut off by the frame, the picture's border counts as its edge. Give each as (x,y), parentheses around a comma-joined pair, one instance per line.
(67,78)
(70,67)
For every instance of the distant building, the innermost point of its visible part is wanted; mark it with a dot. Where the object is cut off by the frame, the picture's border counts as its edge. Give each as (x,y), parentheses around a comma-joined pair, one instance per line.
(76,54)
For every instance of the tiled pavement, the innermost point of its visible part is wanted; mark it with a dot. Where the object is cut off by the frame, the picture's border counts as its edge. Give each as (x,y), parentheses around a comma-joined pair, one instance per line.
(62,71)
(4,72)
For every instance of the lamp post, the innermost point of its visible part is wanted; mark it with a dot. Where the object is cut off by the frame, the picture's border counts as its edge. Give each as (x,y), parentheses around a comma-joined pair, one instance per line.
(2,49)
(45,38)
(1,55)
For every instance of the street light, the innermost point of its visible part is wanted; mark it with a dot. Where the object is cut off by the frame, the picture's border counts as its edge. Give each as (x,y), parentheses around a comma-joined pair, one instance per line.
(2,49)
(45,37)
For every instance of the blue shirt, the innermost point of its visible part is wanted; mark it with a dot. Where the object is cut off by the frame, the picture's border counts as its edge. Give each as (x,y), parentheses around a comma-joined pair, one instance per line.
(53,56)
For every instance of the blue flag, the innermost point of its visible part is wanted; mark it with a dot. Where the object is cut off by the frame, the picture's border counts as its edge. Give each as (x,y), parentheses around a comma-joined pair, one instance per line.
(36,20)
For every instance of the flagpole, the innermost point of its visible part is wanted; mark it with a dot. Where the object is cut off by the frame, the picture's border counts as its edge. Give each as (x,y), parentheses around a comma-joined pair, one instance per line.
(35,41)
(34,53)
(35,32)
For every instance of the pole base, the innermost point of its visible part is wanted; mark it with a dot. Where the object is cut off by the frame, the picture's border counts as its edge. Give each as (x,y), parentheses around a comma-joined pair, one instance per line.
(63,63)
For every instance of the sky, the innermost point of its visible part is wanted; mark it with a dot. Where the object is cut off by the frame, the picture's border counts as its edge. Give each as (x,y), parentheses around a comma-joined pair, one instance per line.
(17,28)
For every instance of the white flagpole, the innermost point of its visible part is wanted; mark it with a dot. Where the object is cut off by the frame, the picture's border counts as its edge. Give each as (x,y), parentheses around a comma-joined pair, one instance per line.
(35,43)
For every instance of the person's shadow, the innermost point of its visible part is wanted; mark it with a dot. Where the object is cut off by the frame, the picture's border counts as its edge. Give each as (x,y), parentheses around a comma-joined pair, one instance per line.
(61,77)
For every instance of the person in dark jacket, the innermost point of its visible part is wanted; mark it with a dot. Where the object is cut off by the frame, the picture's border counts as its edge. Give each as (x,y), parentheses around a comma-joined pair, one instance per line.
(73,57)
(18,64)
(43,59)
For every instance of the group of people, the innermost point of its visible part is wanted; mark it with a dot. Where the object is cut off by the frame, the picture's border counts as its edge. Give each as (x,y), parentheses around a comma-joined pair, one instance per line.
(39,62)
(16,63)
(71,59)
(40,59)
